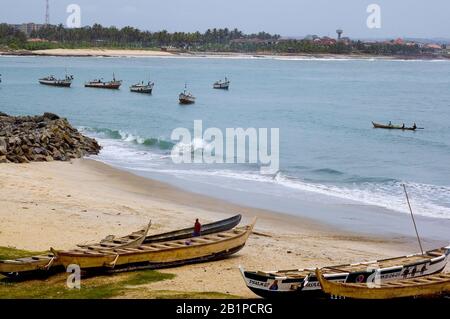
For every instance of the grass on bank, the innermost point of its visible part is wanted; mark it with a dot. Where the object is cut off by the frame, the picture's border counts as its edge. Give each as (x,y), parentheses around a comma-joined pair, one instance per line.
(13,253)
(99,287)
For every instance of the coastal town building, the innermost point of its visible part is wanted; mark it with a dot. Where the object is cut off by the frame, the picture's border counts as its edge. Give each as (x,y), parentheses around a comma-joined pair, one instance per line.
(27,28)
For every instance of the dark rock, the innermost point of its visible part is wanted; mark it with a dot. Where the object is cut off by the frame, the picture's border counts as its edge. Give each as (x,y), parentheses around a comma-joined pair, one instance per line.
(50,116)
(42,138)
(3,114)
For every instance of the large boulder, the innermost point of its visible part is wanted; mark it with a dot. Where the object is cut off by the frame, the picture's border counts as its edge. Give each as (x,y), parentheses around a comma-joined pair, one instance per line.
(42,138)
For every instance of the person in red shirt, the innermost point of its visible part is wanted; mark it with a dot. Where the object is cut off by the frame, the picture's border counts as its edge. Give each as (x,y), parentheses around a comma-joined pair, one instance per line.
(197,228)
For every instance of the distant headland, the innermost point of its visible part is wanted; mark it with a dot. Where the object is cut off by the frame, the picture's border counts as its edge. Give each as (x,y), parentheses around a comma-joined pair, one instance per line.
(97,40)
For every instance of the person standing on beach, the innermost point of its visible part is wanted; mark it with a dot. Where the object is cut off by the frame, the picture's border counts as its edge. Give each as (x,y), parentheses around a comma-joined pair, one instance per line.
(197,228)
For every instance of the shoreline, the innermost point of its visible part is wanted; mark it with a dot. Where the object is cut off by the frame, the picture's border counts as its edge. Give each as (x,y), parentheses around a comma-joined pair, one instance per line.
(130,53)
(62,204)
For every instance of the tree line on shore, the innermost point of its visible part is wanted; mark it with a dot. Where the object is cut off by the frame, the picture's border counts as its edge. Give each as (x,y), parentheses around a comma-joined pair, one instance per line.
(219,40)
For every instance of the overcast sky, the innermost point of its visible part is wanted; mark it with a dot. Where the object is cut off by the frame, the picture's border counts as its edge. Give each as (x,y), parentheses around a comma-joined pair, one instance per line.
(399,18)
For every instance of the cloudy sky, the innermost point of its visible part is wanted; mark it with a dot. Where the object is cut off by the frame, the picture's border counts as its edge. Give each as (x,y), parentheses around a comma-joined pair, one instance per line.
(399,18)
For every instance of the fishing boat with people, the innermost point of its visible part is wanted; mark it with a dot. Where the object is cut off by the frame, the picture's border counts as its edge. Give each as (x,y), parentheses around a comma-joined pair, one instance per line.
(391,126)
(186,97)
(100,84)
(431,286)
(142,87)
(303,283)
(53,81)
(222,84)
(158,255)
(47,264)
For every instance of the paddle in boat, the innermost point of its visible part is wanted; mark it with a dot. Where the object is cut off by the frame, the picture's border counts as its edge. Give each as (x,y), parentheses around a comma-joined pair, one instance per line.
(426,286)
(186,97)
(304,283)
(100,84)
(222,84)
(142,87)
(52,81)
(48,264)
(390,126)
(158,255)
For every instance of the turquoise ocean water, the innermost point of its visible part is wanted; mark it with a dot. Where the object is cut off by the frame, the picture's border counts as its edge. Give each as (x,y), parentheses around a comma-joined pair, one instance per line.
(323,108)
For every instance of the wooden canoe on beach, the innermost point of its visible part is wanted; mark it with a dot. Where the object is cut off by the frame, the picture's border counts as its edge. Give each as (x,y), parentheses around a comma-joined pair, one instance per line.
(302,283)
(159,255)
(48,263)
(426,286)
(43,263)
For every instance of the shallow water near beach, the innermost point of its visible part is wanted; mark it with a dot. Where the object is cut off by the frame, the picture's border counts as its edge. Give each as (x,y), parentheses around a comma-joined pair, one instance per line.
(330,156)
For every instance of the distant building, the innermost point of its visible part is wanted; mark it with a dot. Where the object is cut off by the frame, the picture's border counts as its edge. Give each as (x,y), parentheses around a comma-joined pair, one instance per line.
(27,28)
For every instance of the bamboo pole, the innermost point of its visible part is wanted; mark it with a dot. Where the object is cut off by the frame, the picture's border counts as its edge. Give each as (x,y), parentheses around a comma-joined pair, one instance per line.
(412,216)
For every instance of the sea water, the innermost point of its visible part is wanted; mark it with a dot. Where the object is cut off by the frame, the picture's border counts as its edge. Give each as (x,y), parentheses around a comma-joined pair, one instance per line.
(323,108)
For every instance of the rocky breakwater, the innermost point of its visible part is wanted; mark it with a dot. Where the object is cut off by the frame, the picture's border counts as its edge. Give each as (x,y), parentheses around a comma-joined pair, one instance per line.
(40,138)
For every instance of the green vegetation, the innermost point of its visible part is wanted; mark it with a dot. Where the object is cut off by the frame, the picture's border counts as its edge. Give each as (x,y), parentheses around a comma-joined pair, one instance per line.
(11,37)
(13,253)
(213,40)
(91,288)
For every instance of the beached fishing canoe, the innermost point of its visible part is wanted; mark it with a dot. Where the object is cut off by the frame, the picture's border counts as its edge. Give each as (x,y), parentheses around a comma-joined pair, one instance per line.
(48,264)
(426,286)
(159,255)
(215,227)
(394,127)
(302,283)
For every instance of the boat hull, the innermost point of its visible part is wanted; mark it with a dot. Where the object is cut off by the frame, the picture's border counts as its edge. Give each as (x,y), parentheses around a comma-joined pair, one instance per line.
(427,286)
(393,127)
(270,285)
(141,90)
(42,265)
(161,254)
(110,86)
(57,84)
(221,86)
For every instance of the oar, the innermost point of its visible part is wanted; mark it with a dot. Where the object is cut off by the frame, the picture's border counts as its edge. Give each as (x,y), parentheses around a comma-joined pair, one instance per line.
(412,216)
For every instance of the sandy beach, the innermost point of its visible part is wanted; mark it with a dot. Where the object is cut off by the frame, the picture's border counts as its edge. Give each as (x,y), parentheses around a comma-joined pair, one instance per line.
(101,52)
(61,204)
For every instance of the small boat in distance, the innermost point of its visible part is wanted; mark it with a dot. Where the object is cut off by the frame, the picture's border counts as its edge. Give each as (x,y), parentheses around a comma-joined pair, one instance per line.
(52,81)
(390,126)
(222,84)
(186,97)
(142,88)
(114,84)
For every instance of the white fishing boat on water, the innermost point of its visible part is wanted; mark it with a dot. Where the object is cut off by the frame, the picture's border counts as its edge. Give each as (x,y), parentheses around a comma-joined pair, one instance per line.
(142,87)
(222,84)
(53,81)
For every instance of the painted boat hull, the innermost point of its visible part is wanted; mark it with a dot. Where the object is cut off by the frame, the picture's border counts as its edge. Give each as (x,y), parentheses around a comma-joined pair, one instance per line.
(43,265)
(110,86)
(272,286)
(164,254)
(56,83)
(426,286)
(141,90)
(221,86)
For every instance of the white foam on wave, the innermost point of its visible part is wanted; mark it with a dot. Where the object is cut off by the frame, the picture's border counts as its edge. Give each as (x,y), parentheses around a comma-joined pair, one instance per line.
(426,199)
